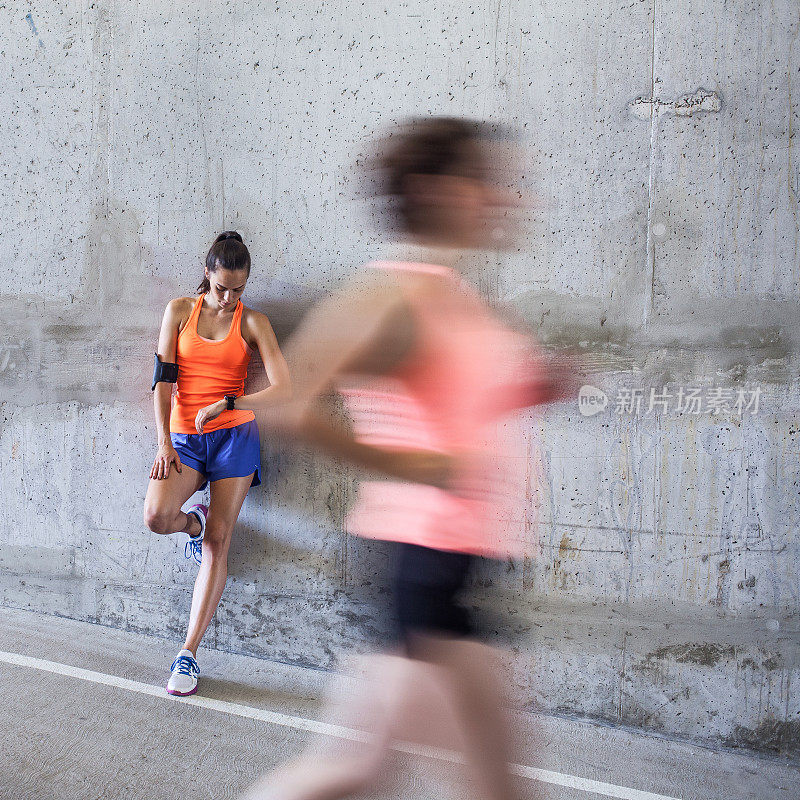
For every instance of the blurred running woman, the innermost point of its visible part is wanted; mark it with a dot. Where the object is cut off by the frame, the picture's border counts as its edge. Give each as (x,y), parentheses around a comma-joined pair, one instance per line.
(427,372)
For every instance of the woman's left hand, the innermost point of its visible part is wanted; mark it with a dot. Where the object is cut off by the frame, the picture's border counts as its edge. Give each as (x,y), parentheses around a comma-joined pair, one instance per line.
(208,413)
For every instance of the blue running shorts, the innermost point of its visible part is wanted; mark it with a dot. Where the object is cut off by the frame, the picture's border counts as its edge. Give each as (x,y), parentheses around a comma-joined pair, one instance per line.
(224,453)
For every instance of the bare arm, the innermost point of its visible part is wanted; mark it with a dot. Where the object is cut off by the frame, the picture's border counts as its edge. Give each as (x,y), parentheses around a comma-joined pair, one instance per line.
(340,335)
(162,395)
(280,387)
(337,336)
(419,466)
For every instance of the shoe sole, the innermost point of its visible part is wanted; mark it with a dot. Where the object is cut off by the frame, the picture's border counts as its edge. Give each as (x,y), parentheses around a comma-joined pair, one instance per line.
(175,693)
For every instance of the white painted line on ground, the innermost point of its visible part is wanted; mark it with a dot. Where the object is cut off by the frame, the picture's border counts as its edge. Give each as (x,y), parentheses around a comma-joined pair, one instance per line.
(324,728)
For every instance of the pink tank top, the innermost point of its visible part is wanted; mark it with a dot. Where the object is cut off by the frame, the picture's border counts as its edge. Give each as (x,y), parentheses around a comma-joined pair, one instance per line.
(450,394)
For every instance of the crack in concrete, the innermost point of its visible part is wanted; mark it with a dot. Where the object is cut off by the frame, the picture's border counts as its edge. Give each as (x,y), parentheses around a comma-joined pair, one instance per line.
(700,101)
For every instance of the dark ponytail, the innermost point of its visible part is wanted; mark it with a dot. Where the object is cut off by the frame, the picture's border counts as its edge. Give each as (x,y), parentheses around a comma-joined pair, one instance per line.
(227,252)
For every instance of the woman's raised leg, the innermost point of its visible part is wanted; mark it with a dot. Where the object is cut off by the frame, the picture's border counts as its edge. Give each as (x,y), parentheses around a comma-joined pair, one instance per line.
(162,504)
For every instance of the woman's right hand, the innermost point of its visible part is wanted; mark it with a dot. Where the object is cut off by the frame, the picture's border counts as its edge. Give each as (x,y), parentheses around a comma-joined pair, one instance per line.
(164,457)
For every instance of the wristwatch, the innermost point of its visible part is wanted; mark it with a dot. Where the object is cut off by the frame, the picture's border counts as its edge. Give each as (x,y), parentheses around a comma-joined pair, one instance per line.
(229,401)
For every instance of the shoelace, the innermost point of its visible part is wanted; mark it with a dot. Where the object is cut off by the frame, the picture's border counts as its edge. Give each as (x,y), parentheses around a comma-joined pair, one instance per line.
(185,665)
(194,549)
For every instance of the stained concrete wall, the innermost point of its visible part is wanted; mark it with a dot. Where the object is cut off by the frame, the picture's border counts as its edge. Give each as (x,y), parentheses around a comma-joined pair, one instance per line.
(664,245)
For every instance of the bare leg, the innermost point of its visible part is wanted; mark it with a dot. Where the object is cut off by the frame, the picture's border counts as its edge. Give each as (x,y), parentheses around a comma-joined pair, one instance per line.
(162,504)
(472,678)
(465,671)
(356,767)
(227,496)
(312,779)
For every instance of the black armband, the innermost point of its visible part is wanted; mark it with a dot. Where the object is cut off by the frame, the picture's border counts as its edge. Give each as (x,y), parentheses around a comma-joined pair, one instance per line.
(164,371)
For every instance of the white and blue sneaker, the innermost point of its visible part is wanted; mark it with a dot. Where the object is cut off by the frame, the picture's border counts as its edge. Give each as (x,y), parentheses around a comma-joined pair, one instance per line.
(185,672)
(194,547)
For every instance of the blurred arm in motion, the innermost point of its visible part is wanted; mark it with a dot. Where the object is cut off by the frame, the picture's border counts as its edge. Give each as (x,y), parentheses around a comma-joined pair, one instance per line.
(364,329)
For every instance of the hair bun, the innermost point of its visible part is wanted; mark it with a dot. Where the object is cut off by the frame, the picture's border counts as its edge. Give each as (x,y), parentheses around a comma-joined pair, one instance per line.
(229,235)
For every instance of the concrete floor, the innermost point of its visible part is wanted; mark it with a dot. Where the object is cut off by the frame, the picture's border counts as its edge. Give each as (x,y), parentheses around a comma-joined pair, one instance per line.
(73,739)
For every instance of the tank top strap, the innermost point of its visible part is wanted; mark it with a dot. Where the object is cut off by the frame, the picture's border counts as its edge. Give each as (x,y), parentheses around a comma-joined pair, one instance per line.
(237,323)
(237,318)
(195,315)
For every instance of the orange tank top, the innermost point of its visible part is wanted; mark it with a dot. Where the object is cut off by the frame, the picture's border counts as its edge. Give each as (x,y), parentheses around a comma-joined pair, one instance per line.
(207,371)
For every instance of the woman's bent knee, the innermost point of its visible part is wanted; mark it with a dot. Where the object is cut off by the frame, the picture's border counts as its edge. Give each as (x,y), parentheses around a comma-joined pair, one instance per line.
(159,520)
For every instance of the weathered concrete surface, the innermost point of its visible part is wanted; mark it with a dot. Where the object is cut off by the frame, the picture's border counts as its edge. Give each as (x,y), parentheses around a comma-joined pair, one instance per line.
(663,244)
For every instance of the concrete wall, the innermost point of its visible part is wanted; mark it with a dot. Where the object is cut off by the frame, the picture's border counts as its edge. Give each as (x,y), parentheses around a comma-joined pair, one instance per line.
(664,245)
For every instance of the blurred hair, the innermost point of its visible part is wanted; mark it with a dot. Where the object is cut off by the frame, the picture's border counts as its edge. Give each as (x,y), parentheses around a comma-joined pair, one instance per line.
(227,252)
(428,146)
